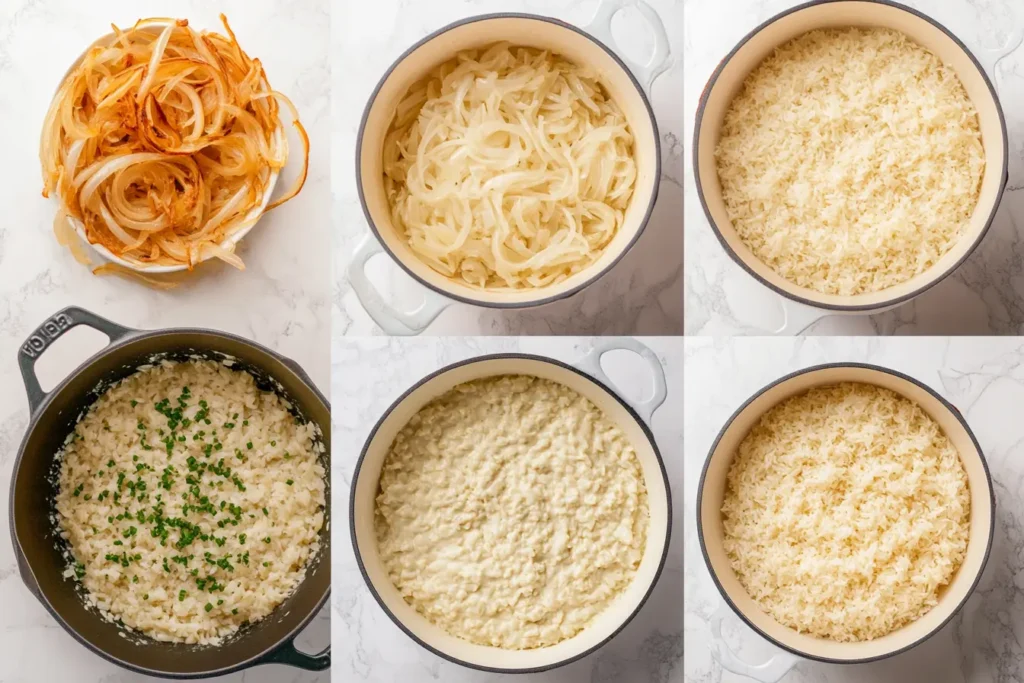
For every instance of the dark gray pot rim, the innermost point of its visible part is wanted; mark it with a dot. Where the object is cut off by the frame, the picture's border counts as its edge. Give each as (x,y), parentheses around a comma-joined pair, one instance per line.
(855,308)
(495,304)
(828,366)
(469,361)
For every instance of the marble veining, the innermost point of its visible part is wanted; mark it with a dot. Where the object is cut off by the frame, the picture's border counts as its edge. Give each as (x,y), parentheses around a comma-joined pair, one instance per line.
(984,379)
(984,296)
(281,300)
(641,295)
(369,373)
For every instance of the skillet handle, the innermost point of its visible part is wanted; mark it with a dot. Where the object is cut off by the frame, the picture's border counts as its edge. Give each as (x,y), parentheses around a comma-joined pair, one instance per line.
(52,329)
(288,655)
(591,364)
(601,28)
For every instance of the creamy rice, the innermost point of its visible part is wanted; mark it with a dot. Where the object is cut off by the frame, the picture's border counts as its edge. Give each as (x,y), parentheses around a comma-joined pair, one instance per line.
(191,500)
(511,512)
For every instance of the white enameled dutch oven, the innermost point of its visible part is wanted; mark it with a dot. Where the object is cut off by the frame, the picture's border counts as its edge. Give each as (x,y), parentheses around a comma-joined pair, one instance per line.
(802,306)
(280,139)
(627,83)
(586,378)
(796,646)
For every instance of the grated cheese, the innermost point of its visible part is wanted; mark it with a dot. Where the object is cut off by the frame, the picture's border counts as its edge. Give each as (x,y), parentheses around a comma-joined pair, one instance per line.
(846,512)
(851,160)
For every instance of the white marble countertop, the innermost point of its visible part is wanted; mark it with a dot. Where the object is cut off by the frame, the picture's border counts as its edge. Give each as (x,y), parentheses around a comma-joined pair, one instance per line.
(281,300)
(984,296)
(984,379)
(641,295)
(369,373)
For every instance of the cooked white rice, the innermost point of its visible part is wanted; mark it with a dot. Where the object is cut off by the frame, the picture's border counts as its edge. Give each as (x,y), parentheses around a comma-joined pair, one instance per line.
(851,160)
(846,512)
(178,450)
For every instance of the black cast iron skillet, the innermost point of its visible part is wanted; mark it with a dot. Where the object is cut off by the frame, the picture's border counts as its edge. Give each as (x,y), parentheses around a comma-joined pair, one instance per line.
(38,549)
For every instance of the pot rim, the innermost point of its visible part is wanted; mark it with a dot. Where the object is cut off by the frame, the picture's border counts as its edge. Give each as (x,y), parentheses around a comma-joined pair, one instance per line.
(133,336)
(401,399)
(809,370)
(851,308)
(533,302)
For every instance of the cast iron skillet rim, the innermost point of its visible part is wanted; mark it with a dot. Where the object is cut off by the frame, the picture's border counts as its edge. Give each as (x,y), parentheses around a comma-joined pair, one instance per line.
(519,304)
(855,308)
(888,371)
(470,361)
(131,336)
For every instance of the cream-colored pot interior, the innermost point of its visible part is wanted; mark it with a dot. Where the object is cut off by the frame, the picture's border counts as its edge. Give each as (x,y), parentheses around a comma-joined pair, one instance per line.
(365,492)
(532,32)
(838,15)
(713,490)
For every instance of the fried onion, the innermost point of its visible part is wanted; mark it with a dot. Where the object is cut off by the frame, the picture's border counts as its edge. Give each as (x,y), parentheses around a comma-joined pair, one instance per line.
(163,142)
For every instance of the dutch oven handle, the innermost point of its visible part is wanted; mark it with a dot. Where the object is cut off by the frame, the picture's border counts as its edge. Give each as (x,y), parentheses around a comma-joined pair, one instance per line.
(52,329)
(288,655)
(388,317)
(601,28)
(591,364)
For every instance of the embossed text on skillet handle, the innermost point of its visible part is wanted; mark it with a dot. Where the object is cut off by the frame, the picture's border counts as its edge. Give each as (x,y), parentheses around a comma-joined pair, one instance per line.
(52,329)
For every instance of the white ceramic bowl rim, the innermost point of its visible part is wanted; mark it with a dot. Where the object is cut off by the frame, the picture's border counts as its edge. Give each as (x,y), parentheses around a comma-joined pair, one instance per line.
(828,366)
(1005,178)
(469,361)
(518,304)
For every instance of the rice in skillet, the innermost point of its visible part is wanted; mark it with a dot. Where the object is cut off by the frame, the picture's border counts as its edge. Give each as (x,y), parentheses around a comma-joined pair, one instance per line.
(192,501)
